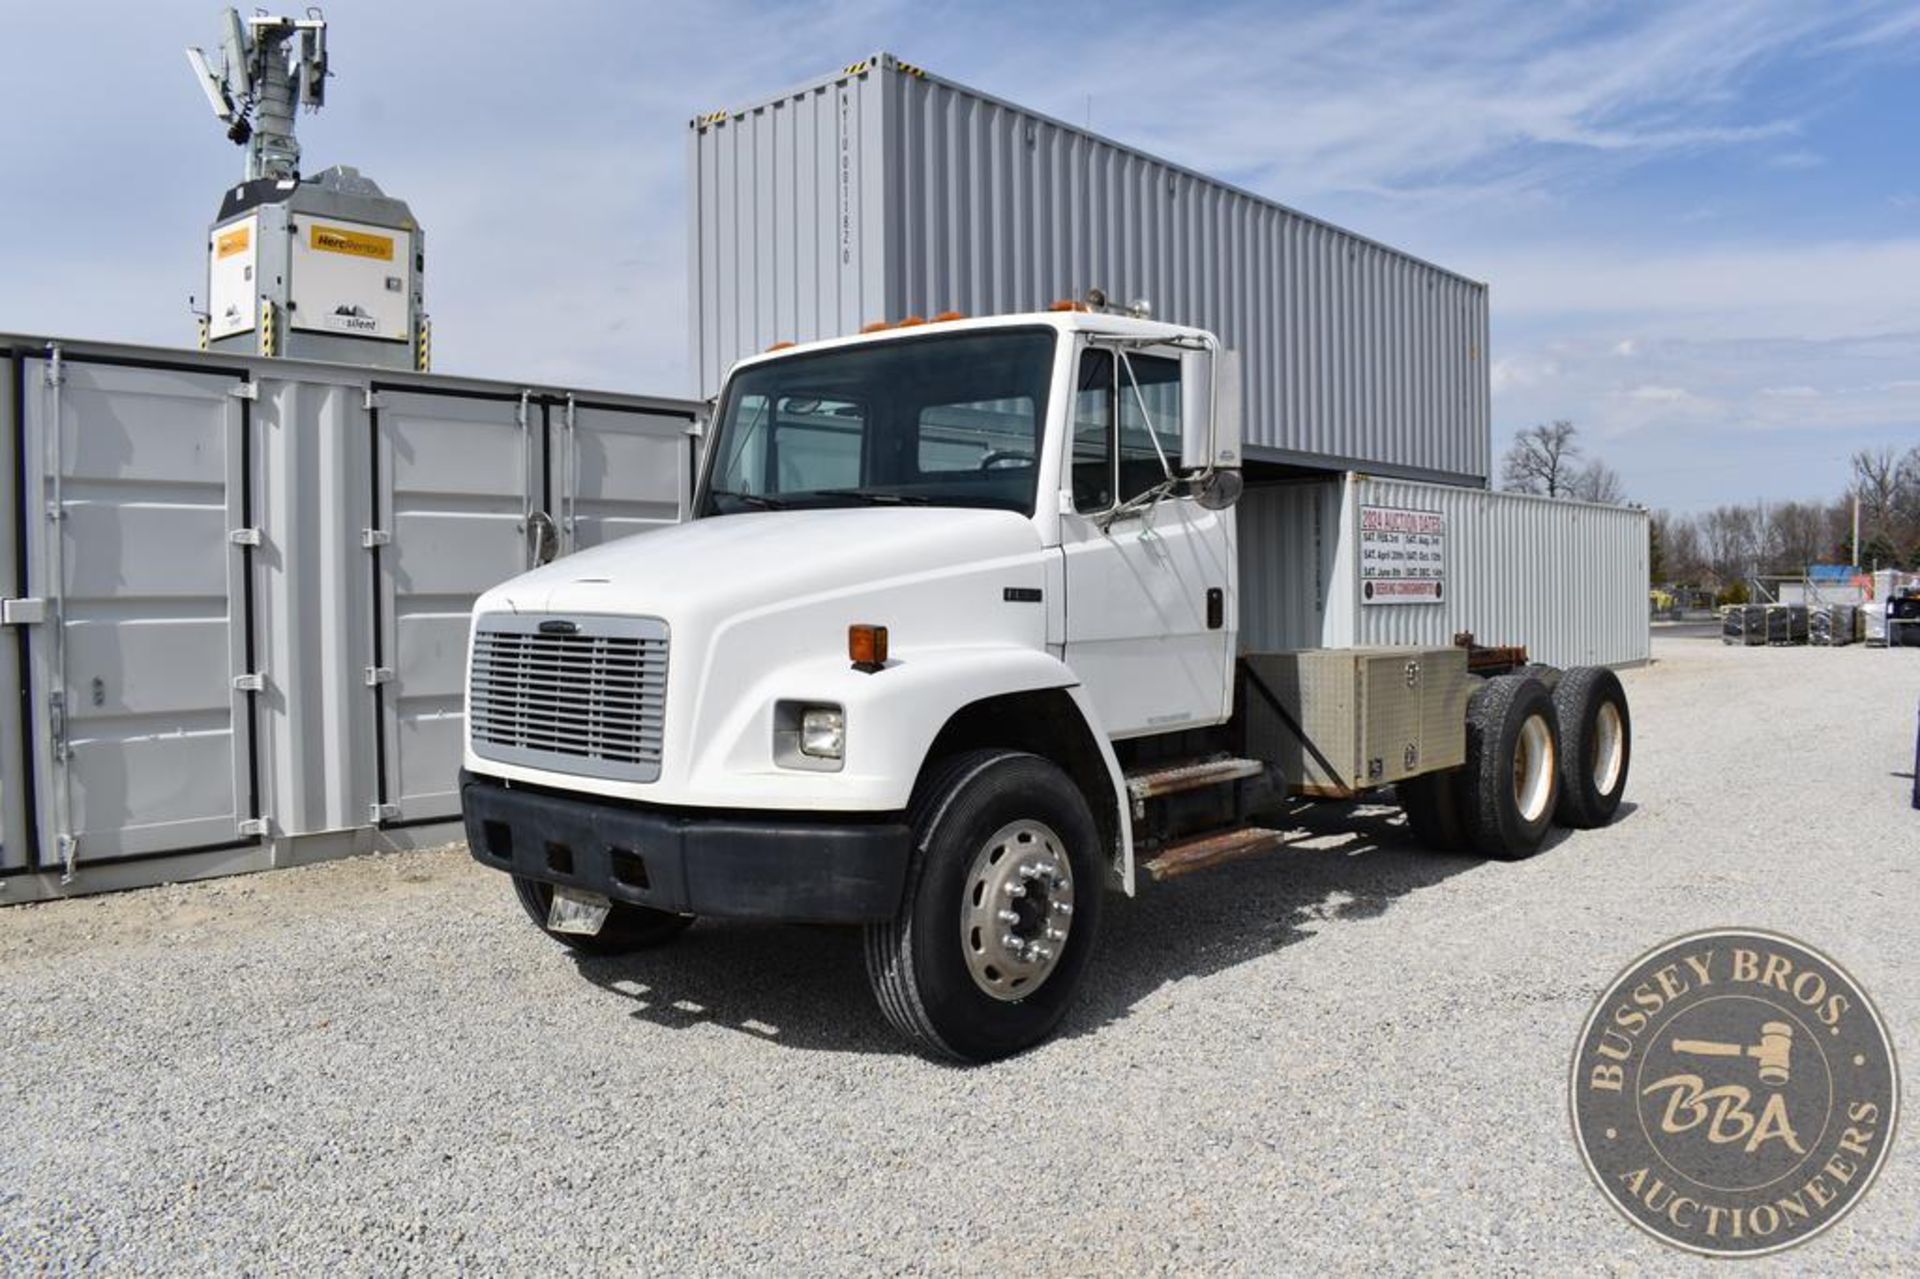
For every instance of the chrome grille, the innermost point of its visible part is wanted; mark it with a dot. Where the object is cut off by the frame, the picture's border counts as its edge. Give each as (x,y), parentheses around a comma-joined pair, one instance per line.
(583,695)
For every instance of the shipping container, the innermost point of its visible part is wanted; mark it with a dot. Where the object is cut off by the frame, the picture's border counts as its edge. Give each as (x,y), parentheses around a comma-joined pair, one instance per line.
(237,589)
(884,191)
(1361,561)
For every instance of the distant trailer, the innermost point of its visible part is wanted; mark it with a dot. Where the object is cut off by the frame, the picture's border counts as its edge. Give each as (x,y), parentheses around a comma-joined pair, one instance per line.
(884,191)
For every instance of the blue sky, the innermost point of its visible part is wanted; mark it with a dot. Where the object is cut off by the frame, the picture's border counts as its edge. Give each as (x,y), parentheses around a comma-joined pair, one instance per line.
(1700,221)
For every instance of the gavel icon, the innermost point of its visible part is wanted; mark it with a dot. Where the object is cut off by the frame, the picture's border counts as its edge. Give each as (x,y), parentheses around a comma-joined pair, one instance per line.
(1773,1053)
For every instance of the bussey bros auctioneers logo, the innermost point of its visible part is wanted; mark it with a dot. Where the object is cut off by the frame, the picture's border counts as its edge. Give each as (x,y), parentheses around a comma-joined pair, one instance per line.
(1734,1092)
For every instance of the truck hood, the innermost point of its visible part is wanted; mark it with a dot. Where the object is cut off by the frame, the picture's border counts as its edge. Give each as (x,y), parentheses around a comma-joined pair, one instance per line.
(740,561)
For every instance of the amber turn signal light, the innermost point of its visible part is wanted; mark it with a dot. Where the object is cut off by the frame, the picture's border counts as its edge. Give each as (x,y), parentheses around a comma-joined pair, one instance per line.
(867,647)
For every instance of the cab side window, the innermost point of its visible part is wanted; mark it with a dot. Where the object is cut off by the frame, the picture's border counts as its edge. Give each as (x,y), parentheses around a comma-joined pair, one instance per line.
(1112,463)
(1149,416)
(1093,463)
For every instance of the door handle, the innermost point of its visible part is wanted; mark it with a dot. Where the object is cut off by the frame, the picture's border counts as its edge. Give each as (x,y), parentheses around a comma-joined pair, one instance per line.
(1216,608)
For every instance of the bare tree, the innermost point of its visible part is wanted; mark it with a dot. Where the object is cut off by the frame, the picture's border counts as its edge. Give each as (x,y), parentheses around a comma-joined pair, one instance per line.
(1876,486)
(1731,539)
(1598,482)
(1685,555)
(1542,460)
(1796,536)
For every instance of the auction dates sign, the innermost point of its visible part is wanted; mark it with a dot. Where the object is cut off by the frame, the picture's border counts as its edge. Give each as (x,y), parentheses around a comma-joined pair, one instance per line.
(1403,555)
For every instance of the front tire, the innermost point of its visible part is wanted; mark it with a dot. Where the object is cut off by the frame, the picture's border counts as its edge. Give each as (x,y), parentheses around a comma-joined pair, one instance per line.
(1001,909)
(628,927)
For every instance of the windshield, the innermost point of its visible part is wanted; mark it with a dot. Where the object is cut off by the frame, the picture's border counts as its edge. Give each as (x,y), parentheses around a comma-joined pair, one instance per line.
(945,420)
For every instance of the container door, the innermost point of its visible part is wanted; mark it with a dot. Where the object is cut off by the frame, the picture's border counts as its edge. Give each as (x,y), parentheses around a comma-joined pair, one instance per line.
(454,481)
(141,692)
(13,778)
(620,471)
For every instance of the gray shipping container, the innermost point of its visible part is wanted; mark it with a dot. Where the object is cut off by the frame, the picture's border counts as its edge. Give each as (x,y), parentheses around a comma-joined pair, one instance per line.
(884,191)
(237,592)
(1566,579)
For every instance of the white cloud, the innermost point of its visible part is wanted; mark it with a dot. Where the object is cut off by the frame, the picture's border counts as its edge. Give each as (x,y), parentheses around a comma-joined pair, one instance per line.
(1659,394)
(1790,392)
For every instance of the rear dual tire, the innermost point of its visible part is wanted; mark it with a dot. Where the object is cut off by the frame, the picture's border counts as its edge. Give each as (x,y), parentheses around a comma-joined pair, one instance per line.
(1500,803)
(1497,804)
(1510,784)
(1596,735)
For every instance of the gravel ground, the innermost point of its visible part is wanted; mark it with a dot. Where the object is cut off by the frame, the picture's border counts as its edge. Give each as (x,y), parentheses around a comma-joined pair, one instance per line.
(1351,1055)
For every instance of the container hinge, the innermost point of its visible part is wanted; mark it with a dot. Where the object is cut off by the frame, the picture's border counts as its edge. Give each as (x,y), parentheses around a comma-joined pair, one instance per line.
(253,682)
(370,400)
(244,537)
(257,826)
(372,537)
(55,373)
(248,390)
(379,675)
(57,725)
(696,428)
(69,849)
(23,612)
(377,813)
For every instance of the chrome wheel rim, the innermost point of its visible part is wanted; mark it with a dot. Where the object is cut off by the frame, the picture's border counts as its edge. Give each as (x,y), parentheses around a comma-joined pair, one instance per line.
(1017,909)
(1533,768)
(1609,748)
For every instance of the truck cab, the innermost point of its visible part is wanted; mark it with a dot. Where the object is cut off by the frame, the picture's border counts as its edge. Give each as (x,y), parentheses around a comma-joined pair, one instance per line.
(950,635)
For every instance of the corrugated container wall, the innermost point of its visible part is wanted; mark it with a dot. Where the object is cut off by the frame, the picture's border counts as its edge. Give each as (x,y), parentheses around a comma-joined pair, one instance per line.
(884,192)
(1566,579)
(237,590)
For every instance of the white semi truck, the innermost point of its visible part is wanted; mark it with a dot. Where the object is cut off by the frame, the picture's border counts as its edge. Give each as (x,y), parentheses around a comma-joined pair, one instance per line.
(948,651)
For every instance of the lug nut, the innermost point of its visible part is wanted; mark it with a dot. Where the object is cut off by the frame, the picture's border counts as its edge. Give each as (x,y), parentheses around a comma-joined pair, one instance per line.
(1063,908)
(1015,890)
(1012,943)
(1028,870)
(1008,917)
(1039,952)
(1054,934)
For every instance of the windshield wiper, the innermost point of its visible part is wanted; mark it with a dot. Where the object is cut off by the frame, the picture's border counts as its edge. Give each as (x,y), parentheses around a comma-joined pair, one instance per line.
(754,500)
(875,499)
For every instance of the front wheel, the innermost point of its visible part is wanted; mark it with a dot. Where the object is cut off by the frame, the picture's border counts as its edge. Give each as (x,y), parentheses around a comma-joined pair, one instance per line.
(1000,912)
(628,927)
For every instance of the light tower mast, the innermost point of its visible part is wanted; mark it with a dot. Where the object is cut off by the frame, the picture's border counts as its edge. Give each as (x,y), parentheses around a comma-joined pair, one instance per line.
(327,267)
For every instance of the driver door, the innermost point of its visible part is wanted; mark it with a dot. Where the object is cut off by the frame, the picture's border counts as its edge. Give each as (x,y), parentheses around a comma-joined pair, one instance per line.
(1150,609)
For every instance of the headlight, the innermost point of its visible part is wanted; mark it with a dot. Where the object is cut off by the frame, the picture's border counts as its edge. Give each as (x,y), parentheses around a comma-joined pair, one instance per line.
(823,732)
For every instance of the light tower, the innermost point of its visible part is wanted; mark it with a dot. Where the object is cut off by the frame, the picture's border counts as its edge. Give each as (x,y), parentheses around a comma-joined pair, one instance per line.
(321,268)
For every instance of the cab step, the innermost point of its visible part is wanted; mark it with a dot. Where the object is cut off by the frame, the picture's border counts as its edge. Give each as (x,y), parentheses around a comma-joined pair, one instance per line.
(1171,779)
(1211,849)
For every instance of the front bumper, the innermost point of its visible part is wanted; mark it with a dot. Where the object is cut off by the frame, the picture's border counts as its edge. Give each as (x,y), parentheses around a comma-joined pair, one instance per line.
(780,866)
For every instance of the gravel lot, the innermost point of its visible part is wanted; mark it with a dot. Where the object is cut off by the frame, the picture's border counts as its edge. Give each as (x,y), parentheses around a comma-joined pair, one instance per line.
(1350,1055)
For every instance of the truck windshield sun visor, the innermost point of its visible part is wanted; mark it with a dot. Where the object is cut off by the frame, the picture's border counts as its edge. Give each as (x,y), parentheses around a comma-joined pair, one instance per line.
(952,419)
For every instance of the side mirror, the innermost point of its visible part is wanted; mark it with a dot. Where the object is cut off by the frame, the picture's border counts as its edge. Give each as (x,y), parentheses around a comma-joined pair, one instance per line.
(1209,410)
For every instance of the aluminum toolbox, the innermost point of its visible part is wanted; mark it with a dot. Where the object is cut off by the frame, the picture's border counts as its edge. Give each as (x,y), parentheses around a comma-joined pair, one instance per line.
(1336,721)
